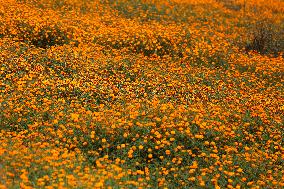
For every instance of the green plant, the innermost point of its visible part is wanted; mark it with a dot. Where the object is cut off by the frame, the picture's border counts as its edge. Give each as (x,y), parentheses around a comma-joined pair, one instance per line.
(266,38)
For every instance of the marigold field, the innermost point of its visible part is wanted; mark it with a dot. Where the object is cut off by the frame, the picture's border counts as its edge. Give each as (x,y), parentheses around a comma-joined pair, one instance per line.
(141,94)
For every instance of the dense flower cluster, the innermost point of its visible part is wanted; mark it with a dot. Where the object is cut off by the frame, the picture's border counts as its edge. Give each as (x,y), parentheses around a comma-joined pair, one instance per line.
(141,94)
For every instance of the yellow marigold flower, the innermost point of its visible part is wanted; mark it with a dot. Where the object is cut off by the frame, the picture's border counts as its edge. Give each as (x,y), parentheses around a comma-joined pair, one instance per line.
(250,183)
(99,184)
(217,187)
(140,172)
(239,170)
(199,136)
(92,136)
(191,179)
(194,165)
(75,117)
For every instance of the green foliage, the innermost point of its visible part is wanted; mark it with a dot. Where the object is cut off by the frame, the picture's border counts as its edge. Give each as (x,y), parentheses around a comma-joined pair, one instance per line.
(147,45)
(42,37)
(149,11)
(266,38)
